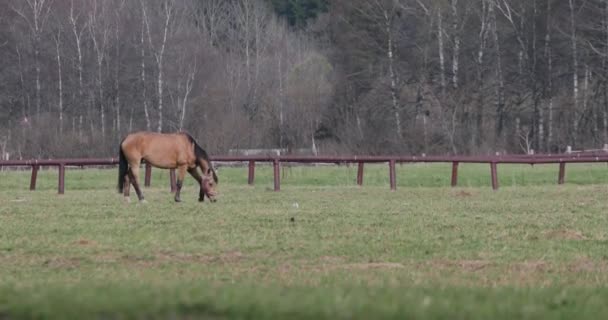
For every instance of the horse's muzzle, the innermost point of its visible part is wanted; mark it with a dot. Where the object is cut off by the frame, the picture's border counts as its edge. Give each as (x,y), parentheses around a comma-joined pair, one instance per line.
(212,196)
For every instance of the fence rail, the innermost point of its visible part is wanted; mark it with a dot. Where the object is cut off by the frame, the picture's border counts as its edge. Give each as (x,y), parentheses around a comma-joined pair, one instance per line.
(493,161)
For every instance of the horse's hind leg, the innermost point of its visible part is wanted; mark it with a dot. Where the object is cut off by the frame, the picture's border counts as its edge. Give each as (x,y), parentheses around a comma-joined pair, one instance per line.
(194,173)
(181,173)
(134,177)
(126,186)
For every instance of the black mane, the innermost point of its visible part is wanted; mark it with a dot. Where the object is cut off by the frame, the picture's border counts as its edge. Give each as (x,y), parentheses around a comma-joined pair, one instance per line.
(200,153)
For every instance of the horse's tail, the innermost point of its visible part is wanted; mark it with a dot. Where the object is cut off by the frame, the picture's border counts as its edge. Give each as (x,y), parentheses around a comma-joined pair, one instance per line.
(123,167)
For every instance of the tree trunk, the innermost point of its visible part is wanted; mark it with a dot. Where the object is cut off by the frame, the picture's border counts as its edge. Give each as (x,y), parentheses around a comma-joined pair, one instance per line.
(60,83)
(483,36)
(143,75)
(281,103)
(99,28)
(37,63)
(575,89)
(24,95)
(159,55)
(500,87)
(77,38)
(392,75)
(441,53)
(549,89)
(116,80)
(605,67)
(456,40)
(537,121)
(184,100)
(101,99)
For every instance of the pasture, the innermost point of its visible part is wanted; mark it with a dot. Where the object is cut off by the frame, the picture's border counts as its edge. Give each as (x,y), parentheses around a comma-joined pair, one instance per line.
(321,248)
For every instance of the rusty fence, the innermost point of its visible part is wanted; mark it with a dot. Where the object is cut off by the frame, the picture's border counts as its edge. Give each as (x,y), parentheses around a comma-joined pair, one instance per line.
(276,161)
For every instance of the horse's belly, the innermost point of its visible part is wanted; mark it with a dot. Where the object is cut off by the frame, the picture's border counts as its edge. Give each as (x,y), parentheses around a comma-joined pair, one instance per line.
(163,163)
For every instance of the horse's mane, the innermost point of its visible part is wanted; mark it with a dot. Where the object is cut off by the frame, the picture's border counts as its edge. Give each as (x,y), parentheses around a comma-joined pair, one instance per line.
(200,153)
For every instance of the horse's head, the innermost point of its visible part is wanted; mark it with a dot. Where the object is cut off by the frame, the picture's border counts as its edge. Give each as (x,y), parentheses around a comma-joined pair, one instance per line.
(210,184)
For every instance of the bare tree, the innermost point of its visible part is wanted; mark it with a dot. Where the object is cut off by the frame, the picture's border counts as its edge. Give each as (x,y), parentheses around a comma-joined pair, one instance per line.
(117,63)
(500,86)
(77,31)
(605,68)
(143,70)
(484,29)
(548,55)
(99,31)
(35,14)
(57,39)
(158,49)
(575,86)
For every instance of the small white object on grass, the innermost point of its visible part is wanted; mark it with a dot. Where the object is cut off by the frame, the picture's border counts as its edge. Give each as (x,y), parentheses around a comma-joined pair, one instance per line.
(295,205)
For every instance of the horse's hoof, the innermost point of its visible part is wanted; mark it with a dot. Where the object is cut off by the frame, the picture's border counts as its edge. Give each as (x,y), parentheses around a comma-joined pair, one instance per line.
(143,201)
(178,200)
(127,200)
(201,199)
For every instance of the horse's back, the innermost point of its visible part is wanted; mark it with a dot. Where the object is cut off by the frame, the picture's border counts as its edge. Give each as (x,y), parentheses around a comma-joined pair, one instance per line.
(164,150)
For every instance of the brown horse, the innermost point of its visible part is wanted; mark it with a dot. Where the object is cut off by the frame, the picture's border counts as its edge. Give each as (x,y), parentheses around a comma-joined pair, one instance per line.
(168,151)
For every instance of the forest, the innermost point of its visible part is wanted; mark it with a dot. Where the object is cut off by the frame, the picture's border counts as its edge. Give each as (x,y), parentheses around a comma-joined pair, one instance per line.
(328,76)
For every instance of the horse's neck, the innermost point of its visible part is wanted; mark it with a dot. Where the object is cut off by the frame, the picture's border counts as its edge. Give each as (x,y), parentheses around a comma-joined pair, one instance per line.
(205,165)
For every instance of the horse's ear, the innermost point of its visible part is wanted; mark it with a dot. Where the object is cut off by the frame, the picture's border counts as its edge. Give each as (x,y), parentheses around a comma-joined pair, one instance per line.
(209,171)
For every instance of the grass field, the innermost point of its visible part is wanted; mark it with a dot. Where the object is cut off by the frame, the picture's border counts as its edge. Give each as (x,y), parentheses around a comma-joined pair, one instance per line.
(320,248)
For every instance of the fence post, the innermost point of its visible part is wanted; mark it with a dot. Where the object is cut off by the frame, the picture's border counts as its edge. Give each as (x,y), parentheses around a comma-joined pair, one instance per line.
(392,176)
(360,174)
(34,176)
(251,174)
(61,186)
(562,173)
(454,173)
(494,175)
(148,176)
(277,175)
(172,180)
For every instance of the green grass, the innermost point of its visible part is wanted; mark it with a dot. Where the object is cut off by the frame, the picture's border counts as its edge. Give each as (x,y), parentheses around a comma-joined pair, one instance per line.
(530,250)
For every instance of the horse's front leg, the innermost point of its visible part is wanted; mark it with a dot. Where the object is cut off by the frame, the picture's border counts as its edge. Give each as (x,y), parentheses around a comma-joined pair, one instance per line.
(194,173)
(181,173)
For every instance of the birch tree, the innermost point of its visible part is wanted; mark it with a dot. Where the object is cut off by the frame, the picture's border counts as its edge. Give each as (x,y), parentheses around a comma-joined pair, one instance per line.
(57,38)
(77,30)
(99,31)
(575,86)
(35,13)
(157,47)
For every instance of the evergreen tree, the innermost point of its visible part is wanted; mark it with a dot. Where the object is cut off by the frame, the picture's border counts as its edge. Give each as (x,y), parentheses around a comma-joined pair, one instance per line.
(298,12)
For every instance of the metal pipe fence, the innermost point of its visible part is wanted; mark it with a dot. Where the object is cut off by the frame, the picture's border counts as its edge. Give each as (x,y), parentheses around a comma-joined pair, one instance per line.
(493,161)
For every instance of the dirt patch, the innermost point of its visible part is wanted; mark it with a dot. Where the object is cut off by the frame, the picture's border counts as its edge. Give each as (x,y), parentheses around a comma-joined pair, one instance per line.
(62,263)
(332,259)
(530,266)
(337,263)
(584,264)
(464,265)
(179,257)
(463,194)
(85,242)
(284,269)
(564,234)
(373,265)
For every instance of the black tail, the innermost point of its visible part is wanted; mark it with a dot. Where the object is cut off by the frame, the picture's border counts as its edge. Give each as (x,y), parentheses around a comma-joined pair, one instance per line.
(123,166)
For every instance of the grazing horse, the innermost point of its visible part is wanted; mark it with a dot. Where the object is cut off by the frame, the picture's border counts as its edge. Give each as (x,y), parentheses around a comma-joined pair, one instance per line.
(168,151)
